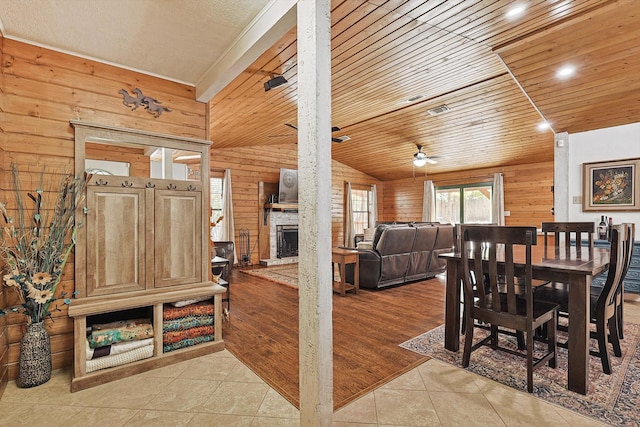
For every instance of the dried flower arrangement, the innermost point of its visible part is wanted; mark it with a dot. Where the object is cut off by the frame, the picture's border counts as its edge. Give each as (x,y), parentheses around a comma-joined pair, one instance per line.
(216,222)
(35,246)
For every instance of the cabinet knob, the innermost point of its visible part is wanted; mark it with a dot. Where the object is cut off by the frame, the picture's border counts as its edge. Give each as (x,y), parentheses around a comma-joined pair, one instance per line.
(191,187)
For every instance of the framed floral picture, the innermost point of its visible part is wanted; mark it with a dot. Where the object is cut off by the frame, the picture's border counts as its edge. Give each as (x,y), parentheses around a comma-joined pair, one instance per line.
(611,185)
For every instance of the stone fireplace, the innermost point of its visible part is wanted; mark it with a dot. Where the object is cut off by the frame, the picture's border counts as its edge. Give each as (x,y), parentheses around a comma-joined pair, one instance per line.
(286,240)
(283,228)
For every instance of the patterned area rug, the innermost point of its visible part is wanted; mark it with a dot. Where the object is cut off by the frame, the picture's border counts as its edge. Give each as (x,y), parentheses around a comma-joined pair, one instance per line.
(613,399)
(283,274)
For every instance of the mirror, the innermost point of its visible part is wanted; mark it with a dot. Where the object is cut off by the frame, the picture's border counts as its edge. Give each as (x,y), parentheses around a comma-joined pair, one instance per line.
(124,159)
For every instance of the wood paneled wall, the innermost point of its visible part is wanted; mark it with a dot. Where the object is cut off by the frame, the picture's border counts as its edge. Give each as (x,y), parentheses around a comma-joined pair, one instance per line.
(41,91)
(252,165)
(4,343)
(527,192)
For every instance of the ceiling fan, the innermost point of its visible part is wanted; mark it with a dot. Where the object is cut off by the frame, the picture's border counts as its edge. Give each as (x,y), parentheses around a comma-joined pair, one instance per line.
(420,159)
(338,139)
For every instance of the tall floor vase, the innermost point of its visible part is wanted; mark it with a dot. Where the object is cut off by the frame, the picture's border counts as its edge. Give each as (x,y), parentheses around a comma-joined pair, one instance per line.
(35,356)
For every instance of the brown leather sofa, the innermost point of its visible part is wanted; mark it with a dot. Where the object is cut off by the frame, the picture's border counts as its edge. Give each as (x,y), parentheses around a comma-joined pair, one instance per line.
(403,252)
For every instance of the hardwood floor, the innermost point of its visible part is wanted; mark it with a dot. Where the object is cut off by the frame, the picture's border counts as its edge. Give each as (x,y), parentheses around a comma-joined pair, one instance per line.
(263,333)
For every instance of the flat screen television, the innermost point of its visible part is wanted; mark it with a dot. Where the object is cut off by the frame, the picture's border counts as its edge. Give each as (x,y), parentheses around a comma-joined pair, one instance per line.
(288,186)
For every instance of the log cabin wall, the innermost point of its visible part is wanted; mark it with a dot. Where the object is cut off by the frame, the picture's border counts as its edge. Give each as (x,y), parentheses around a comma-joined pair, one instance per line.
(527,193)
(252,165)
(4,345)
(41,91)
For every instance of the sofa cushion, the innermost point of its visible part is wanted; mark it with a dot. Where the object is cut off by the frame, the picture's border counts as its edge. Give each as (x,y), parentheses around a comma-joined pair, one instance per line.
(421,251)
(379,229)
(396,239)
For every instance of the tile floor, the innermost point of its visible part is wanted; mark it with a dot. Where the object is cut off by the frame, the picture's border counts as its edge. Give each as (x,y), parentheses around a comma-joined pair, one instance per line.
(218,390)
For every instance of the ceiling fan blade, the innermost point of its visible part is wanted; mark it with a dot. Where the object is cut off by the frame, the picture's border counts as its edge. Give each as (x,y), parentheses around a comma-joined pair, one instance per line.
(340,139)
(333,128)
(431,161)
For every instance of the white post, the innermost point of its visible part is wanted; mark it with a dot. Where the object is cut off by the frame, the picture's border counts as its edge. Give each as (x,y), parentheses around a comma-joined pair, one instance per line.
(314,166)
(167,163)
(561,177)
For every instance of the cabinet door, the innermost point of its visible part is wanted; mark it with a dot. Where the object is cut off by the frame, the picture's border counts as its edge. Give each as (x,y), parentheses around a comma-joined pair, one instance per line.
(115,240)
(178,237)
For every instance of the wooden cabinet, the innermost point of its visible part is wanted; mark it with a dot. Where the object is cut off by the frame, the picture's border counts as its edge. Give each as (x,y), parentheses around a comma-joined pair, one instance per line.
(178,236)
(142,243)
(142,234)
(115,231)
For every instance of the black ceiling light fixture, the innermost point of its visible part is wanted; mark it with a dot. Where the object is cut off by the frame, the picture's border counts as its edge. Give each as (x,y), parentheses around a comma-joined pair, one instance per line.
(275,81)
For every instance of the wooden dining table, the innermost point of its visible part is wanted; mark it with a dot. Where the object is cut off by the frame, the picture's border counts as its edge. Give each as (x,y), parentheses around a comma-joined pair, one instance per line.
(575,266)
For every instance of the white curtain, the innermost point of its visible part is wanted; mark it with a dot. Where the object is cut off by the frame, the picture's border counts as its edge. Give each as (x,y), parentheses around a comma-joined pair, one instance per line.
(228,229)
(497,202)
(429,202)
(349,232)
(373,209)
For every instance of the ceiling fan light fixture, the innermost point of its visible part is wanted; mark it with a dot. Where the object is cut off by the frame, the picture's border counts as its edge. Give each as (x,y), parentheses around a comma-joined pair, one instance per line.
(274,81)
(419,159)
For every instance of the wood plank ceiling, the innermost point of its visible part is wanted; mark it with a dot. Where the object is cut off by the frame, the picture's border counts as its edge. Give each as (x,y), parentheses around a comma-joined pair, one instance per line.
(394,60)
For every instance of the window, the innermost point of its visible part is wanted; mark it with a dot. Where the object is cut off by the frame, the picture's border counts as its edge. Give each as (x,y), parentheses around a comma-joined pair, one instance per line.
(216,198)
(464,204)
(361,204)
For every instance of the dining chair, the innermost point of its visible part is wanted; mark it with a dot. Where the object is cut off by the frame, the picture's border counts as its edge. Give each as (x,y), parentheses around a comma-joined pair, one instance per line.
(620,294)
(563,233)
(604,306)
(504,308)
(566,231)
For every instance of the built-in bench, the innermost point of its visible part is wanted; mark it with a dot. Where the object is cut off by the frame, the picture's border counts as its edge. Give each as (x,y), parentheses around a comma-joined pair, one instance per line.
(153,300)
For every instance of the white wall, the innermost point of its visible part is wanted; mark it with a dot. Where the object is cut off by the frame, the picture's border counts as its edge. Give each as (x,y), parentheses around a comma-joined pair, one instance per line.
(620,142)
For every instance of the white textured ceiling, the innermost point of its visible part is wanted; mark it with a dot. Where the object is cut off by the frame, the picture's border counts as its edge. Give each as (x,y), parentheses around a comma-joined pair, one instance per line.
(175,39)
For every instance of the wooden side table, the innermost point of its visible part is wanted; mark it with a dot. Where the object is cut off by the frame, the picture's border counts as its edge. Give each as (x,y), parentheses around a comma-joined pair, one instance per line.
(342,257)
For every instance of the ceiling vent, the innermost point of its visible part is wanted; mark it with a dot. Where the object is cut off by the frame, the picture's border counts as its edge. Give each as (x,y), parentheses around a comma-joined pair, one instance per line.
(438,110)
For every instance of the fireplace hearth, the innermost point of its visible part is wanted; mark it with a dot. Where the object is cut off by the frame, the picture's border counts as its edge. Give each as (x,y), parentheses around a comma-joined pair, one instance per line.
(287,241)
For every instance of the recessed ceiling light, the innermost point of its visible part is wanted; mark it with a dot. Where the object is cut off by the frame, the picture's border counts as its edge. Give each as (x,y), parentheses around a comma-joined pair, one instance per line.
(515,11)
(566,71)
(543,126)
(414,98)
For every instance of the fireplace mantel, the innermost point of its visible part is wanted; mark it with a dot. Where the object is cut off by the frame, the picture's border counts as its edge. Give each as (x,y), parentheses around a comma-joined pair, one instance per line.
(283,207)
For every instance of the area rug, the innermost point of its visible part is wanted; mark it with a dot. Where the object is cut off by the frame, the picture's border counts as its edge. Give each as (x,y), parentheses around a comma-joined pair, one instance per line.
(283,274)
(613,399)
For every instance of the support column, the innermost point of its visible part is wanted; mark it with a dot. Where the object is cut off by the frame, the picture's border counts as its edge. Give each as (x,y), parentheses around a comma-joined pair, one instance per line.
(561,168)
(314,212)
